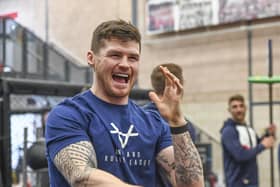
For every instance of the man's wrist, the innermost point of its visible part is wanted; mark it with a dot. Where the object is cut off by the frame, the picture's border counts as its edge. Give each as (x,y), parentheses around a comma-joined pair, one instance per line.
(179,129)
(178,122)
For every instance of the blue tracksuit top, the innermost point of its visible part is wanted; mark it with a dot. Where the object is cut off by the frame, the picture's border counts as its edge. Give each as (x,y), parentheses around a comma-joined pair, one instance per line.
(240,148)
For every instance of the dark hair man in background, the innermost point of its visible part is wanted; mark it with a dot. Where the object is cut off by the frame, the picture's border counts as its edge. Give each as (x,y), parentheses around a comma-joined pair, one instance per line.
(241,146)
(158,84)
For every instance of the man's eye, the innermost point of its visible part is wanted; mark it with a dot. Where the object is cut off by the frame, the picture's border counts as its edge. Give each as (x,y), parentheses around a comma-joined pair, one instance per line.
(115,56)
(133,59)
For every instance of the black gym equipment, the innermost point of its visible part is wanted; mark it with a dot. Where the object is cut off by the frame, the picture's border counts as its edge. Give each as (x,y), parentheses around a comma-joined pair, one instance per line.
(269,80)
(36,155)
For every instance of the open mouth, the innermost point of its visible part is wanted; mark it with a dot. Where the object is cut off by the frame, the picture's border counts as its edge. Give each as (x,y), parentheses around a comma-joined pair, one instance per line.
(121,78)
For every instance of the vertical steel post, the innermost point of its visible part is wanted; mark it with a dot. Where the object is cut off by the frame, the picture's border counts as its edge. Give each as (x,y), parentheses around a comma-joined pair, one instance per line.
(270,91)
(134,12)
(24,161)
(24,51)
(47,21)
(4,41)
(6,128)
(250,73)
(45,61)
(2,135)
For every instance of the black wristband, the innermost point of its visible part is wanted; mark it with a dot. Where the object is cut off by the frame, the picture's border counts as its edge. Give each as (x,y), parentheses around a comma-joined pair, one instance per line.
(179,130)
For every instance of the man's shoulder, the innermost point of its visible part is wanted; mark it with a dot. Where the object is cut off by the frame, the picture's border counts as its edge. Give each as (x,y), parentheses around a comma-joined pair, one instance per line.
(73,99)
(75,107)
(150,106)
(228,129)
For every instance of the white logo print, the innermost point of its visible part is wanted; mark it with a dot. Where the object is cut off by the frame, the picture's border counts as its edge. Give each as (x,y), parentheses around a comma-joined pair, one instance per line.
(121,134)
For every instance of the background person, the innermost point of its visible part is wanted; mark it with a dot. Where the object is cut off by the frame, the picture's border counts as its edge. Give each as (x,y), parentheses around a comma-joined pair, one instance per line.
(241,146)
(158,84)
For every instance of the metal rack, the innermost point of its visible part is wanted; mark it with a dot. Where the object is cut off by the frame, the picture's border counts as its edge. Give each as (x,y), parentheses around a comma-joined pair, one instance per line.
(269,80)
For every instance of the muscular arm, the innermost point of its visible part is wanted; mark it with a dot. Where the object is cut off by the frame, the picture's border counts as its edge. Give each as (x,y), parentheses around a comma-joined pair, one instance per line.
(181,162)
(77,162)
(182,165)
(188,169)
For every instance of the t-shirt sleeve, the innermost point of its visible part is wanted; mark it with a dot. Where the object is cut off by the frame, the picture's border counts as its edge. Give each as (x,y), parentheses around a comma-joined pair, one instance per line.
(191,130)
(165,139)
(65,125)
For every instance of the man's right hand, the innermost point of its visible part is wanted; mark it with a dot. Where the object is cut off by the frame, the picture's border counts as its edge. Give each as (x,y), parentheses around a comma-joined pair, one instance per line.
(169,105)
(268,141)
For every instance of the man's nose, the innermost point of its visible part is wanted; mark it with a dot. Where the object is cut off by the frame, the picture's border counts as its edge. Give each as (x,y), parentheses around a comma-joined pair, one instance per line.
(239,108)
(124,62)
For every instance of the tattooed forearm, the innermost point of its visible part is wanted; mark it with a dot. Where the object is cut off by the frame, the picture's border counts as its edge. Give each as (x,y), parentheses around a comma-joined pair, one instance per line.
(76,162)
(188,166)
(165,159)
(166,163)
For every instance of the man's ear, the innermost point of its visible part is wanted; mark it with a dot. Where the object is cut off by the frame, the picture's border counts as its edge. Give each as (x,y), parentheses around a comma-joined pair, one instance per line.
(91,59)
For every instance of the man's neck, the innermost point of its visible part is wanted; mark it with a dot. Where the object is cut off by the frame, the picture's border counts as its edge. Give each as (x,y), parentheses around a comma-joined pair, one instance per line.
(241,122)
(113,100)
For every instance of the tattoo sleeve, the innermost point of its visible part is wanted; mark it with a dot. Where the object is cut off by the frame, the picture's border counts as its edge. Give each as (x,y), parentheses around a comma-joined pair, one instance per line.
(188,166)
(181,162)
(166,163)
(76,162)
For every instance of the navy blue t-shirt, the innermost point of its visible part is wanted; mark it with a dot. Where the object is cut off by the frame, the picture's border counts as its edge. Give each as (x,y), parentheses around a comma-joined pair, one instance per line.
(125,137)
